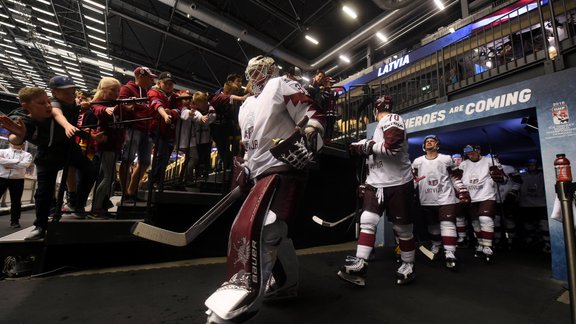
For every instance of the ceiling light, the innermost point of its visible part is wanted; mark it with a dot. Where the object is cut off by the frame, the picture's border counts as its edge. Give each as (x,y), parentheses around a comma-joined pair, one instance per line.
(44,2)
(97,38)
(439,4)
(93,19)
(331,69)
(350,12)
(345,58)
(8,46)
(95,4)
(43,11)
(311,39)
(47,22)
(51,31)
(13,53)
(381,37)
(95,29)
(7,24)
(307,79)
(106,73)
(98,46)
(93,9)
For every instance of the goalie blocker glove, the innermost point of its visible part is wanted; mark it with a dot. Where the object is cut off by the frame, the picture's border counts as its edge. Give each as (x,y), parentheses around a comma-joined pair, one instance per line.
(294,150)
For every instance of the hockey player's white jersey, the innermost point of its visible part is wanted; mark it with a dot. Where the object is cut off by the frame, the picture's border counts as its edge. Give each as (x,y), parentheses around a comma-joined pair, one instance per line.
(436,188)
(509,184)
(389,165)
(532,191)
(273,115)
(477,179)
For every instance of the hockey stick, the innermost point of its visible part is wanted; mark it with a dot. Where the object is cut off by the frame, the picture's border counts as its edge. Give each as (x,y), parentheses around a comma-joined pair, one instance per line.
(426,252)
(161,235)
(322,222)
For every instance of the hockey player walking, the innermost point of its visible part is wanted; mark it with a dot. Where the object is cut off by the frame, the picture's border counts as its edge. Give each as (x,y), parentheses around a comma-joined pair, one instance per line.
(436,193)
(388,187)
(479,176)
(281,129)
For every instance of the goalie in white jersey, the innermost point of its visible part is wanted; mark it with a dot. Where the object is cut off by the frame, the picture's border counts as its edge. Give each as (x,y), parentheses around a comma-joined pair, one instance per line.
(389,187)
(479,175)
(281,130)
(438,182)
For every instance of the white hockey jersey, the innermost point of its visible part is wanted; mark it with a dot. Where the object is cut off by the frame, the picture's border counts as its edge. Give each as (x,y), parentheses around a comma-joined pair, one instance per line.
(436,188)
(389,165)
(476,178)
(532,190)
(509,184)
(273,115)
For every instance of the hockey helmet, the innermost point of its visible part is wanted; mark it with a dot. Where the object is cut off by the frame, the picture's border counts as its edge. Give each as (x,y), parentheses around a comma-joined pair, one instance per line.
(259,70)
(384,103)
(456,156)
(434,137)
(470,148)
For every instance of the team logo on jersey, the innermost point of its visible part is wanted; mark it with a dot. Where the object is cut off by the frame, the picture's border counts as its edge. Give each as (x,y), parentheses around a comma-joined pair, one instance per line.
(432,180)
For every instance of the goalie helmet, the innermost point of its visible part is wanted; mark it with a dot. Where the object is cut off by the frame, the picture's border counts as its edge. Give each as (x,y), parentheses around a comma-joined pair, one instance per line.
(259,70)
(434,137)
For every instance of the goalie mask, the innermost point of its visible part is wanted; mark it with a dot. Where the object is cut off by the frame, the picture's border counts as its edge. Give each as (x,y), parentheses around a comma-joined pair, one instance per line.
(384,103)
(259,70)
(433,137)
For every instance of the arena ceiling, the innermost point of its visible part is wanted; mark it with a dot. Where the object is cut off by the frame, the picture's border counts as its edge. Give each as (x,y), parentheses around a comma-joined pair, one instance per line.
(201,42)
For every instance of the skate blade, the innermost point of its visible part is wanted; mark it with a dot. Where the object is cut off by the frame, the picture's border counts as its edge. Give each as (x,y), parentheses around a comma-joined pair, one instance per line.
(352,279)
(404,281)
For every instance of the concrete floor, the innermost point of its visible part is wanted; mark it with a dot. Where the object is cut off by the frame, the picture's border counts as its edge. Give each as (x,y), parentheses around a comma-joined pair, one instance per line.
(517,288)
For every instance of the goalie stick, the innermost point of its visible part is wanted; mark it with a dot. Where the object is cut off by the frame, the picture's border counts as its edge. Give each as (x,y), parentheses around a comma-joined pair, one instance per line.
(322,222)
(161,235)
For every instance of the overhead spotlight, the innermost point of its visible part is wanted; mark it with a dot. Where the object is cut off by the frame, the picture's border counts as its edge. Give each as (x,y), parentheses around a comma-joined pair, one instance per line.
(311,39)
(345,58)
(349,12)
(381,37)
(439,4)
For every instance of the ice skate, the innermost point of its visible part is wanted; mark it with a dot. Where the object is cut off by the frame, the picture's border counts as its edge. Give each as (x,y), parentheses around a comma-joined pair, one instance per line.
(478,251)
(450,260)
(354,271)
(487,254)
(435,249)
(274,291)
(405,273)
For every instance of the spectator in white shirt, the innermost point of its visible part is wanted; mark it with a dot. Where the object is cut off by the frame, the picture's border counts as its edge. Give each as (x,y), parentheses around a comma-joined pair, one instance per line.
(13,163)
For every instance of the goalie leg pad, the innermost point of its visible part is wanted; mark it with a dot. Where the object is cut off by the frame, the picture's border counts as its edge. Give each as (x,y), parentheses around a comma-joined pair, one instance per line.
(239,294)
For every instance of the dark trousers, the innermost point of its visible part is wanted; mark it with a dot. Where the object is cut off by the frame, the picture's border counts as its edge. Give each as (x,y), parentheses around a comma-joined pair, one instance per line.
(221,134)
(46,183)
(204,150)
(16,187)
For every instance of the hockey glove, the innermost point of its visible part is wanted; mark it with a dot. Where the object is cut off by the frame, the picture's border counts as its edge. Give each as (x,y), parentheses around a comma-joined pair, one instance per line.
(497,174)
(293,150)
(361,191)
(464,196)
(241,175)
(511,197)
(362,148)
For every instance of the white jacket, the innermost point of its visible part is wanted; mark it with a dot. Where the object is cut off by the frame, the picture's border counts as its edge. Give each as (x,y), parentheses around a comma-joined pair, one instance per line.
(13,163)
